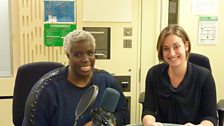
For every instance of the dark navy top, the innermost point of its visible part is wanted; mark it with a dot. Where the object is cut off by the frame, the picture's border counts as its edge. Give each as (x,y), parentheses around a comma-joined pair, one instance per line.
(192,101)
(53,100)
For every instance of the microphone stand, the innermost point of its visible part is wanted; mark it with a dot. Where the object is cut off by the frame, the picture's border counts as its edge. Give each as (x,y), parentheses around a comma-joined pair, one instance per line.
(102,118)
(76,120)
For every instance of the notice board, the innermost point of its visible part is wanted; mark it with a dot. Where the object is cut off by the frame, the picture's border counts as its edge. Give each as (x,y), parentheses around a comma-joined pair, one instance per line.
(5,50)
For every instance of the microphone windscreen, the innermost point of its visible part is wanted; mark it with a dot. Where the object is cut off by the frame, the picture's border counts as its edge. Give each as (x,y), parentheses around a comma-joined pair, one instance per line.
(87,100)
(110,99)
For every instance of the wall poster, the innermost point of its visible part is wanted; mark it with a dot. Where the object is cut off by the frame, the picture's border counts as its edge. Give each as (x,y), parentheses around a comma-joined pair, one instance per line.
(60,19)
(54,33)
(207,30)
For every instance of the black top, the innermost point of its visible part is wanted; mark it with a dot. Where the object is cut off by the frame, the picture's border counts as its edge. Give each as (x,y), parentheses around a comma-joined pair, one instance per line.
(53,100)
(192,101)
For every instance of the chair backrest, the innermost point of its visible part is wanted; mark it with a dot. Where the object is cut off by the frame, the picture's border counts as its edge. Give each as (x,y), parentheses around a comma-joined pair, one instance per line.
(200,60)
(27,76)
(195,58)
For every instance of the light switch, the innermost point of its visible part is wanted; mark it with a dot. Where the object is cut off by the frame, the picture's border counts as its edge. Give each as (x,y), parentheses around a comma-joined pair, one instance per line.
(128,31)
(127,43)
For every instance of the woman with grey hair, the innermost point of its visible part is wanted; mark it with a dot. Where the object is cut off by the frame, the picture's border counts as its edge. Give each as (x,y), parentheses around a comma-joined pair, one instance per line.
(60,91)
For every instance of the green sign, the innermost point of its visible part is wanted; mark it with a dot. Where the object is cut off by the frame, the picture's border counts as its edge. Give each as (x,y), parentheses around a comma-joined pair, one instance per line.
(54,33)
(206,18)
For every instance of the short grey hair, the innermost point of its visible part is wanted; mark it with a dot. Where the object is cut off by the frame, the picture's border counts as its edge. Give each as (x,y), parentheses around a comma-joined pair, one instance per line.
(76,36)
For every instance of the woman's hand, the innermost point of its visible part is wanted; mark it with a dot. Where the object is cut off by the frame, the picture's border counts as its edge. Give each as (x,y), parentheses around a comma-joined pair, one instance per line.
(190,124)
(149,120)
(90,123)
(203,123)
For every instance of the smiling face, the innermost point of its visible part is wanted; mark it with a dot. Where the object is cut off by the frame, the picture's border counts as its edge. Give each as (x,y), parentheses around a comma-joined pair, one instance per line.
(174,50)
(173,37)
(82,58)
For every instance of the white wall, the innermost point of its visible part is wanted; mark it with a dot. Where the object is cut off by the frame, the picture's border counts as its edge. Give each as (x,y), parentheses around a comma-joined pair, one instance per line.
(7,83)
(5,54)
(214,52)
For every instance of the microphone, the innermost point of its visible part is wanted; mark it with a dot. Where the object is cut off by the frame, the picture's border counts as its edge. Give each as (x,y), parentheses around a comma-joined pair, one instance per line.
(103,116)
(86,102)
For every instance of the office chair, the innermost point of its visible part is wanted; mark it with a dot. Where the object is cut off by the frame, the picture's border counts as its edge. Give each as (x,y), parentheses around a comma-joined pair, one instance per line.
(203,61)
(27,75)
